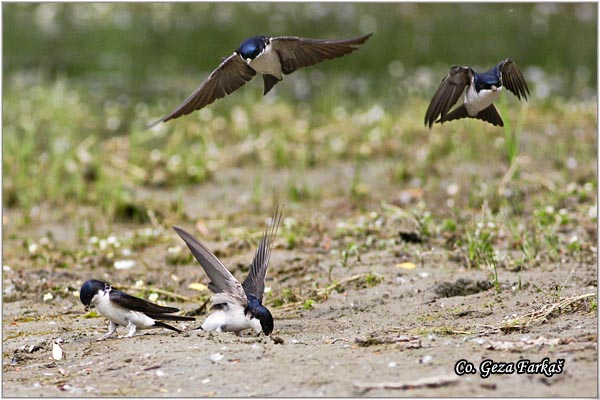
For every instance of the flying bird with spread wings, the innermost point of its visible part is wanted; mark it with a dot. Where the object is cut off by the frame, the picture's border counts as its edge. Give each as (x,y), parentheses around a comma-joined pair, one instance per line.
(270,56)
(483,89)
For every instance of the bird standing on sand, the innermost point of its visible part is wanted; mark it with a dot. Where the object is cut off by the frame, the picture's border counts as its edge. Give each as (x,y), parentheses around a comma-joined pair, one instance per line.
(125,310)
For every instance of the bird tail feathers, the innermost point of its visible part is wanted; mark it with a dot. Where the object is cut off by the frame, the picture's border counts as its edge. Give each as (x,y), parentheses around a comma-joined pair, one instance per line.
(269,81)
(490,115)
(167,317)
(163,325)
(460,112)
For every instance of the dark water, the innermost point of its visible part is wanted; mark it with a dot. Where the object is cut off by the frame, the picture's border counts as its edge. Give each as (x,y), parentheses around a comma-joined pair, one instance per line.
(135,44)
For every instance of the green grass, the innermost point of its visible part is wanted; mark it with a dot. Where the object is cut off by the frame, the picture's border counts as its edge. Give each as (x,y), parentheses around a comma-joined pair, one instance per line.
(68,149)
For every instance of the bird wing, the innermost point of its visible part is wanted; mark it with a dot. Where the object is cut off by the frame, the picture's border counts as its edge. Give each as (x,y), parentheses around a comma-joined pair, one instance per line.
(295,52)
(229,76)
(254,284)
(221,280)
(136,304)
(513,79)
(448,93)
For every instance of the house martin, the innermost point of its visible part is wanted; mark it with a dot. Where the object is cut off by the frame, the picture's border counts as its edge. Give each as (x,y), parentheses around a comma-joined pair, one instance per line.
(125,310)
(482,90)
(236,306)
(267,55)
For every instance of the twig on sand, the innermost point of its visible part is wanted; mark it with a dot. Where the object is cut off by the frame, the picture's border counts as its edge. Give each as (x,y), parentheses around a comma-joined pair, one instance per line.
(430,381)
(542,314)
(325,291)
(334,285)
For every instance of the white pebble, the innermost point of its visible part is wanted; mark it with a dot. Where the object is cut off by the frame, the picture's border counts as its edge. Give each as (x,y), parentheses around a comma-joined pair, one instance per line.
(174,250)
(57,352)
(124,264)
(33,248)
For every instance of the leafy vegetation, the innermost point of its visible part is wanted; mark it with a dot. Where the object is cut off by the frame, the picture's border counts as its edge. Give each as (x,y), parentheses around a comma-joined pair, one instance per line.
(76,146)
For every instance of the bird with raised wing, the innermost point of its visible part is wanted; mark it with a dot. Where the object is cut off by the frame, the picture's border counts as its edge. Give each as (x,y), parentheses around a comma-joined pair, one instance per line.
(483,89)
(270,56)
(235,306)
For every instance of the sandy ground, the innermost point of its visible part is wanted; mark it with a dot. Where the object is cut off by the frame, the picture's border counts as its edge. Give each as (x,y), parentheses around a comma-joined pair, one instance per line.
(386,338)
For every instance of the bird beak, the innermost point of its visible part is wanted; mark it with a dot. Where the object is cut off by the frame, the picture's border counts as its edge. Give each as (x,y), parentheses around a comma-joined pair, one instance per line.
(494,88)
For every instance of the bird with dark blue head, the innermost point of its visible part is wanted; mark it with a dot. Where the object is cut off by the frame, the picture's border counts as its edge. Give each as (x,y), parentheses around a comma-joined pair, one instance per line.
(270,56)
(252,47)
(482,90)
(255,309)
(236,306)
(122,309)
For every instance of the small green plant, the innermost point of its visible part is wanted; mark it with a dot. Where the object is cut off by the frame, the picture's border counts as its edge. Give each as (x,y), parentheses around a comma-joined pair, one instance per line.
(177,255)
(493,273)
(373,279)
(284,297)
(351,250)
(425,222)
(257,191)
(359,191)
(481,253)
(290,238)
(298,192)
(479,248)
(511,136)
(449,225)
(308,304)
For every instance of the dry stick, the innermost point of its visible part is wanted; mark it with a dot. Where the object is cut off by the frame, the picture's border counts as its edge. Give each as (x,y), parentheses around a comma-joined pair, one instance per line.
(562,285)
(538,178)
(432,381)
(542,180)
(508,175)
(324,290)
(518,322)
(537,315)
(340,283)
(443,330)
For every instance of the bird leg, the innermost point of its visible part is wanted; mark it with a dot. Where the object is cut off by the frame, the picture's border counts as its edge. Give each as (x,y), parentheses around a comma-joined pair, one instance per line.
(132,329)
(112,327)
